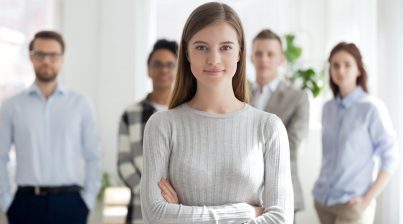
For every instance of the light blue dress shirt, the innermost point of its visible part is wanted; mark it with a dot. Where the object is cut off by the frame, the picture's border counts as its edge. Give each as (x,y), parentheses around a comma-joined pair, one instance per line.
(55,140)
(355,130)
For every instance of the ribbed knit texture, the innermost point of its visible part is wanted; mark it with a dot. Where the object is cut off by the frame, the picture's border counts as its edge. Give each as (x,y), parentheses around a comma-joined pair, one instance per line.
(219,165)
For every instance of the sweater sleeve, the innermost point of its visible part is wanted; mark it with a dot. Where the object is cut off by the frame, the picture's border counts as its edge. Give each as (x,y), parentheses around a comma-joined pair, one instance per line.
(278,196)
(157,149)
(129,147)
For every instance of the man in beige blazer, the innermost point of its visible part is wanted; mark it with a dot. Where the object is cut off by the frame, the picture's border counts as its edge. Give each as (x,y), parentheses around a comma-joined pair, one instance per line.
(271,94)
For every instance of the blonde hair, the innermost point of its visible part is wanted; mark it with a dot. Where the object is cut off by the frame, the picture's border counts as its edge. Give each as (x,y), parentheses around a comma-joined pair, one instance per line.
(204,15)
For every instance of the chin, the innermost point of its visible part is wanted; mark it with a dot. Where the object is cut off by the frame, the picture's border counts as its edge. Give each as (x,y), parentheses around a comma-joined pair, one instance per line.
(46,78)
(164,86)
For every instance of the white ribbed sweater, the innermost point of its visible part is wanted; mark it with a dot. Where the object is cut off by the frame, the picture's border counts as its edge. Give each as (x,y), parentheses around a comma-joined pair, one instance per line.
(219,165)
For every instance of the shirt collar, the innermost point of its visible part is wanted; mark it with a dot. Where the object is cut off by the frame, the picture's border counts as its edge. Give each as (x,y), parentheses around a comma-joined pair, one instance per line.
(352,97)
(34,89)
(271,86)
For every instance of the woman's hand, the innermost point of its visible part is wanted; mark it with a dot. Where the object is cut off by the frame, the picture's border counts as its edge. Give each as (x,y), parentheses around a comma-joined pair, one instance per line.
(258,211)
(168,192)
(375,189)
(357,201)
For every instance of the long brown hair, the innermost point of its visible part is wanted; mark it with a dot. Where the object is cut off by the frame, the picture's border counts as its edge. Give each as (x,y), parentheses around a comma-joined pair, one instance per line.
(353,50)
(204,15)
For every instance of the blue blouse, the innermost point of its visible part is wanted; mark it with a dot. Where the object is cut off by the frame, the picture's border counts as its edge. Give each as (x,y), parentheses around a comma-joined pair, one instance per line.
(355,131)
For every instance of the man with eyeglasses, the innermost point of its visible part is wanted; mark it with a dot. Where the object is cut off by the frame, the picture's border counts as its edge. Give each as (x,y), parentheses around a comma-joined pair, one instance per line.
(161,69)
(54,132)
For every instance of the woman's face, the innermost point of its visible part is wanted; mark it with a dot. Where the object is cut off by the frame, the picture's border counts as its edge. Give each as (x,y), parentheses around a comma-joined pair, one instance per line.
(213,53)
(344,70)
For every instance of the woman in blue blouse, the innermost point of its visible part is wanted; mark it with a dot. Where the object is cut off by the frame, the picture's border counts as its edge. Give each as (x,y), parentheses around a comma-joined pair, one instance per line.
(356,129)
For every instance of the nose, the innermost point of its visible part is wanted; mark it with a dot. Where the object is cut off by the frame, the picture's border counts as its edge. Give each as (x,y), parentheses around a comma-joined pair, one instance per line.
(263,59)
(341,70)
(214,58)
(46,60)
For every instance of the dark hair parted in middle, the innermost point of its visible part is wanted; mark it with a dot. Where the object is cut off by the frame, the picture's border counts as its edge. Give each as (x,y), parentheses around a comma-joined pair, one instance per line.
(353,50)
(204,15)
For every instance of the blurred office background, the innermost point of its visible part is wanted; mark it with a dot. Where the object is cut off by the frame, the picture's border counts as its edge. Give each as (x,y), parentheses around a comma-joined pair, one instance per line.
(108,41)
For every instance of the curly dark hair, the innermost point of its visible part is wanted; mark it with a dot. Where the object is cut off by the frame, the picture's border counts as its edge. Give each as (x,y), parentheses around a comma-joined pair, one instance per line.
(171,46)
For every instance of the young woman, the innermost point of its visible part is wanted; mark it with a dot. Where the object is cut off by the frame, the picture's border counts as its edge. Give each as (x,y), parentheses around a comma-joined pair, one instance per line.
(356,128)
(226,162)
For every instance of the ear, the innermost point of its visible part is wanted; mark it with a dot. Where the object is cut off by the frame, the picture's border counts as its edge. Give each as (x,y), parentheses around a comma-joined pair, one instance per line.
(283,59)
(252,59)
(148,72)
(31,58)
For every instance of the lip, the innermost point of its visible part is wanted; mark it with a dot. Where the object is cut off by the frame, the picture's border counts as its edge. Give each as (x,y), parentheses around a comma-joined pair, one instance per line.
(213,71)
(45,69)
(263,67)
(164,78)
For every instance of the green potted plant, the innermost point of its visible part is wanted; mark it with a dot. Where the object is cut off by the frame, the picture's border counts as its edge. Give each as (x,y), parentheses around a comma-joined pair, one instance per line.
(304,78)
(105,183)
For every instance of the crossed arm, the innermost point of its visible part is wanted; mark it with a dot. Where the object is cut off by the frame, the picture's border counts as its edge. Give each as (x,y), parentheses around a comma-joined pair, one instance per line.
(160,203)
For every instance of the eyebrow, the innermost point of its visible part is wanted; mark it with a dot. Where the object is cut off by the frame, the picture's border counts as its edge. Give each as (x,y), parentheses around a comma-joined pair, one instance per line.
(202,42)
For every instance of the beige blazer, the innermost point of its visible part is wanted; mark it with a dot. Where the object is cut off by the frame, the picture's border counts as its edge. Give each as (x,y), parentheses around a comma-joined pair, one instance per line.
(292,106)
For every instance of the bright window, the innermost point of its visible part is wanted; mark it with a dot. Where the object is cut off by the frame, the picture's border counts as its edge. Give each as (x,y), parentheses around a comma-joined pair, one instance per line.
(19,20)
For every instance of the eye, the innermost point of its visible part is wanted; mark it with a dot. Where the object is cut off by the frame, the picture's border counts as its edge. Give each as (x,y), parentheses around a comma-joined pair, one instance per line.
(226,47)
(335,66)
(201,48)
(258,54)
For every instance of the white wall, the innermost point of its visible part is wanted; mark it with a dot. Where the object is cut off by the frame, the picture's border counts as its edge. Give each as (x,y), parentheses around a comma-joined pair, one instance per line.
(122,75)
(390,76)
(81,32)
(107,48)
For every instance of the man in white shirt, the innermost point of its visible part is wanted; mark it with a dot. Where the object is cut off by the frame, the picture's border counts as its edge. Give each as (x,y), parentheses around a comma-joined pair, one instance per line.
(272,94)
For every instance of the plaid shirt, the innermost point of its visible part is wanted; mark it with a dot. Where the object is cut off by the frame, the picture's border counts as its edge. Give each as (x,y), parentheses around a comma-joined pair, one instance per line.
(130,157)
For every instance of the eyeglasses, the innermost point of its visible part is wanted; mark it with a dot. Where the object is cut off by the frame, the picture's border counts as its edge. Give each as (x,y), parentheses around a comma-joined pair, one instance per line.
(40,56)
(160,66)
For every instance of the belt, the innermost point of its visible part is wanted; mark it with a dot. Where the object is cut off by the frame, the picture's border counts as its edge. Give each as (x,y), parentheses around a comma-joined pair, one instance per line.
(45,190)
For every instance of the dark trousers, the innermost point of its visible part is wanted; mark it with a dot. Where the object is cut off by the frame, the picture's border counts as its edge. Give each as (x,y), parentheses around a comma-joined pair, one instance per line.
(130,207)
(63,208)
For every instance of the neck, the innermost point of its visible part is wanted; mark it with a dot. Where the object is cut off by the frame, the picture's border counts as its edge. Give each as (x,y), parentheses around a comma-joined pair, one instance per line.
(160,96)
(346,90)
(46,88)
(264,80)
(214,100)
